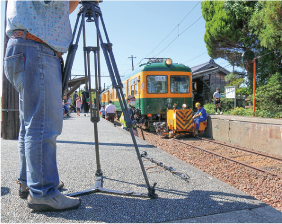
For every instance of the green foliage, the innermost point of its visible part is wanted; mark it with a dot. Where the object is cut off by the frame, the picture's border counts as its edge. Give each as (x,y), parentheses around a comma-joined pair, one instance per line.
(236,82)
(243,91)
(269,96)
(266,23)
(209,107)
(233,76)
(234,27)
(240,111)
(227,104)
(218,28)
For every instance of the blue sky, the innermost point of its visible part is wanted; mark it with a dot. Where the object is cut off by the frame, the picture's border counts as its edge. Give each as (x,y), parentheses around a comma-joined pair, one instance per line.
(166,29)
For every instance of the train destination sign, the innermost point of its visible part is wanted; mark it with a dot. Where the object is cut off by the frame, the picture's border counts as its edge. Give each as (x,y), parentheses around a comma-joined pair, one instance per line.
(160,78)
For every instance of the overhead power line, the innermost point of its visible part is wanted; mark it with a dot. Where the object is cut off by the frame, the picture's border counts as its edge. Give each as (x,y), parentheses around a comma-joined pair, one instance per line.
(195,57)
(180,35)
(173,30)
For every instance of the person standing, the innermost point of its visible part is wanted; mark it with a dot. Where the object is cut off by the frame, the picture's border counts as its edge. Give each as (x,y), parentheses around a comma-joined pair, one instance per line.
(74,100)
(33,64)
(132,115)
(85,101)
(199,117)
(216,97)
(103,110)
(78,104)
(111,112)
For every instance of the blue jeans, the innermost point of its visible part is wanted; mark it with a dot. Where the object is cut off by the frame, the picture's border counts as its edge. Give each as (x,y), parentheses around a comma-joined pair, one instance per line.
(198,120)
(35,71)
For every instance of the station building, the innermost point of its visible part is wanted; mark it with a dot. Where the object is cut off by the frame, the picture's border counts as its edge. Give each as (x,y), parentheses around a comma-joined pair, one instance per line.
(208,77)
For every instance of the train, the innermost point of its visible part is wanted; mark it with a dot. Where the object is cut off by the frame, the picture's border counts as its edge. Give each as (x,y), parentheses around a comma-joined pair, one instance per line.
(159,85)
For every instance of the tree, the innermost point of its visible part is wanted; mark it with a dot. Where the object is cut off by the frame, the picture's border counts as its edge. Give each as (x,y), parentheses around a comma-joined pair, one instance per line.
(269,96)
(227,31)
(234,27)
(266,23)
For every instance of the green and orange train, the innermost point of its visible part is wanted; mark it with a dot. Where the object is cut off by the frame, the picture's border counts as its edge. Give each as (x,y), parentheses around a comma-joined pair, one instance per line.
(157,85)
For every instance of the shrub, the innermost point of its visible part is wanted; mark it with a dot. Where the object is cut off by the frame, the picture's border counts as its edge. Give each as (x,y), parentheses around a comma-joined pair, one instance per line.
(209,107)
(269,96)
(241,112)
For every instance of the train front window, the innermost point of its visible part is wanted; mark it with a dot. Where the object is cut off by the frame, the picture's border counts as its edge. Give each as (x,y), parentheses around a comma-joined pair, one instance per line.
(179,84)
(157,84)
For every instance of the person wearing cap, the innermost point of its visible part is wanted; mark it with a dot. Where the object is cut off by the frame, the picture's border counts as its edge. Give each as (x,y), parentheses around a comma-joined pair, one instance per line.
(216,97)
(39,33)
(199,117)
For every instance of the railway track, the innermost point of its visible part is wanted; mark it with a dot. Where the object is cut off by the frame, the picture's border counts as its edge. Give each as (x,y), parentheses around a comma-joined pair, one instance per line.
(255,160)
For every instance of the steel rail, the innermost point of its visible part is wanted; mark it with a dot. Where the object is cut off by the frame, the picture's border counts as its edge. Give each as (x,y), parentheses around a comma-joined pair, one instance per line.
(244,164)
(242,149)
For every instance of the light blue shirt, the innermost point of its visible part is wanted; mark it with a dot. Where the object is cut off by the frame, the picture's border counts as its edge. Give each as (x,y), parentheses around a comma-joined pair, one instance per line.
(47,20)
(217,95)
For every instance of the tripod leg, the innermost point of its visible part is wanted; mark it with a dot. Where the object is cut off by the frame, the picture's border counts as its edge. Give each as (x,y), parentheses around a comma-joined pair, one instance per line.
(112,67)
(92,10)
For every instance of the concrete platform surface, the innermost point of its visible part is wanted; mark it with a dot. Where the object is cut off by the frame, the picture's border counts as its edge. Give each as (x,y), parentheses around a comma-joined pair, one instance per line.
(201,199)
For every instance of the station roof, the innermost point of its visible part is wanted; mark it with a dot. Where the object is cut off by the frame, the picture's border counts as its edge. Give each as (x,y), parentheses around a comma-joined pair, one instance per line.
(207,68)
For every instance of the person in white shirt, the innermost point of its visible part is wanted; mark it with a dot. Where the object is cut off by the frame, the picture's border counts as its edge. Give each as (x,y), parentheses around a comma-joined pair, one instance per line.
(216,97)
(111,112)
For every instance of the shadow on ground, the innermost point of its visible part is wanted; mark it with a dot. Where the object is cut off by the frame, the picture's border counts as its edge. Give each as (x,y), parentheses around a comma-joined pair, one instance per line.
(100,207)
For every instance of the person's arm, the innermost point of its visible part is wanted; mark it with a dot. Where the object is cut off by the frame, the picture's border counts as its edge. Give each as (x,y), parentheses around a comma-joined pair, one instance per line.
(72,6)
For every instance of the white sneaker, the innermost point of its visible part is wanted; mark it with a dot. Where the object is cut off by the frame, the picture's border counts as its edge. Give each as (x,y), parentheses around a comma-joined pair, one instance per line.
(216,113)
(59,203)
(221,112)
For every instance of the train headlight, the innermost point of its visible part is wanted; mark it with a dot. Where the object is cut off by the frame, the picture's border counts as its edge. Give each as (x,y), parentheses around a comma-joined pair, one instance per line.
(184,106)
(168,62)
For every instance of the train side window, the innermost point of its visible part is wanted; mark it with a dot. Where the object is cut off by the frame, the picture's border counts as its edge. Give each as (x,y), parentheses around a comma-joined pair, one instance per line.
(179,84)
(157,84)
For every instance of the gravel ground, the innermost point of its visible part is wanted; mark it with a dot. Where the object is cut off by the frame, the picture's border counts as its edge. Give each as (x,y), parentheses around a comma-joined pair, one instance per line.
(263,187)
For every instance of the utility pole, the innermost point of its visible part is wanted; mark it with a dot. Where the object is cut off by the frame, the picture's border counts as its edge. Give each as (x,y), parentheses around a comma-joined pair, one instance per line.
(132,61)
(10,102)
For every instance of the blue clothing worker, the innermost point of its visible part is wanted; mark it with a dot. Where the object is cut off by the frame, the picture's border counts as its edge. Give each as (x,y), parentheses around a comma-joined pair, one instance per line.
(199,117)
(39,33)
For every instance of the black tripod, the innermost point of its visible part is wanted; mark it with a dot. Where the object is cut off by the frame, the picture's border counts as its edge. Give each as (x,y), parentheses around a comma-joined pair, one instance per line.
(91,12)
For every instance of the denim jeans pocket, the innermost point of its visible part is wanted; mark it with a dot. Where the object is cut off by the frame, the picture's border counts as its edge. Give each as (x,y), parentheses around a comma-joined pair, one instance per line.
(14,70)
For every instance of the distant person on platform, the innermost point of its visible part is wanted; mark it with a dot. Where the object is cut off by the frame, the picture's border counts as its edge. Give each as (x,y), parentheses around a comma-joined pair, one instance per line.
(74,99)
(85,101)
(199,117)
(111,112)
(103,111)
(216,97)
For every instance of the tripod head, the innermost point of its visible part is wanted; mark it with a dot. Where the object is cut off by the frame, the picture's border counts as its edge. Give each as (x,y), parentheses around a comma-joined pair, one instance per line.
(94,2)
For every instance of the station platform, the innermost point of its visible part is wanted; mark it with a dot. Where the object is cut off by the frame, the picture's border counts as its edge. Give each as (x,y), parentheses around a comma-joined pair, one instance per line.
(261,134)
(200,199)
